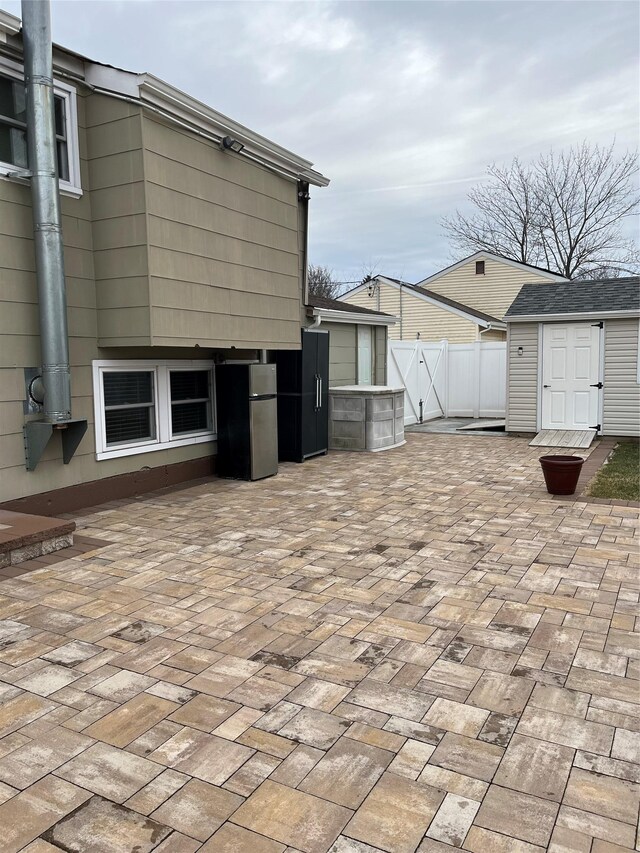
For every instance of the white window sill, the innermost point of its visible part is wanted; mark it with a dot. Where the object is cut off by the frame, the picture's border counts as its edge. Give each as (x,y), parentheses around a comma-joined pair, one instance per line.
(138,449)
(66,189)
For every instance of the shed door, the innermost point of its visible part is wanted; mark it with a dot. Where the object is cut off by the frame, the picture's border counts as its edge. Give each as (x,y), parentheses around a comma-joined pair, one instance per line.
(570,370)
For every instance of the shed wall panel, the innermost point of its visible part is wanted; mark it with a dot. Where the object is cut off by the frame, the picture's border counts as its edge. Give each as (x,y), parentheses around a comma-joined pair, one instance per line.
(621,407)
(522,378)
(343,348)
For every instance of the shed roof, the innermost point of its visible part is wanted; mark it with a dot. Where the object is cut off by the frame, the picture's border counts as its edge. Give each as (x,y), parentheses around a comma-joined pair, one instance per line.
(337,305)
(599,296)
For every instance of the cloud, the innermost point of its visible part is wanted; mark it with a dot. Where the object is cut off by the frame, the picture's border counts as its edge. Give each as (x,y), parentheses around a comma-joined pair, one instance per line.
(402,104)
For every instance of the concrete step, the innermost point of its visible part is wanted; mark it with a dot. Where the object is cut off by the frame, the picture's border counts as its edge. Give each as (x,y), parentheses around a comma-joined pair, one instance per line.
(23,537)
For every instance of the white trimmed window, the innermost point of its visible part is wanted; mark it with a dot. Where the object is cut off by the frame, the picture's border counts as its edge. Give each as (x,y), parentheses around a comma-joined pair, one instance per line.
(141,406)
(13,127)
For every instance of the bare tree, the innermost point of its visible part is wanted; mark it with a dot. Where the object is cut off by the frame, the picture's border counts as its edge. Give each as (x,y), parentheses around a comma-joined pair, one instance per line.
(322,282)
(563,211)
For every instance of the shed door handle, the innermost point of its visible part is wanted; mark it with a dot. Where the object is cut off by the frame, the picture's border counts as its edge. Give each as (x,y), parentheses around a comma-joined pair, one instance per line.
(546,386)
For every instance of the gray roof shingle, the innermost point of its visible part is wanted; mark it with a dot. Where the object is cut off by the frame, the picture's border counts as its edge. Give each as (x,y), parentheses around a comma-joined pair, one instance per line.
(577,297)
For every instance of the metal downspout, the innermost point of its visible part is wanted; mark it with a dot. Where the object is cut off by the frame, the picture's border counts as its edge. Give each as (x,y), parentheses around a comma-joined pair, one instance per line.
(303,200)
(54,386)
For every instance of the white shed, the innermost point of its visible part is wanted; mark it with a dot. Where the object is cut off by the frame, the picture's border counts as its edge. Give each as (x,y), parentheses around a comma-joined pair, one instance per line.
(572,357)
(357,340)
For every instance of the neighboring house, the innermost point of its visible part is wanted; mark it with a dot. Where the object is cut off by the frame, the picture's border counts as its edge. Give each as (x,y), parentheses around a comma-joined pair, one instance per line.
(423,314)
(179,253)
(464,302)
(572,361)
(357,340)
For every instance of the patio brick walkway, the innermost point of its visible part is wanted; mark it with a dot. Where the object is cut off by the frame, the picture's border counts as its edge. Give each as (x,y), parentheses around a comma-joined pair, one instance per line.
(416,650)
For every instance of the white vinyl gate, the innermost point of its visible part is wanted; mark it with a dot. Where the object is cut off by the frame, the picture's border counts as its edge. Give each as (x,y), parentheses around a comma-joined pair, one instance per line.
(451,380)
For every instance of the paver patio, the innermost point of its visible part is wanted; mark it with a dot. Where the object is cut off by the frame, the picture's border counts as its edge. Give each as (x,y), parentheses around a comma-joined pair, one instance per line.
(415,650)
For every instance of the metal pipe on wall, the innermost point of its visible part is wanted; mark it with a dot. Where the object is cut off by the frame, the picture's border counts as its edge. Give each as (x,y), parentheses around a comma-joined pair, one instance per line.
(52,388)
(47,228)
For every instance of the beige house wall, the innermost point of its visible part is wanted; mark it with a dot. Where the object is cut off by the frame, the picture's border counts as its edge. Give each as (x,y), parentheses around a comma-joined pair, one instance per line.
(491,293)
(173,243)
(223,244)
(415,315)
(118,221)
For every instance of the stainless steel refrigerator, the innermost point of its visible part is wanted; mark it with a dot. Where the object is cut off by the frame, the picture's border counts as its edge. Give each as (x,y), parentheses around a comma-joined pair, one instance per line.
(247,421)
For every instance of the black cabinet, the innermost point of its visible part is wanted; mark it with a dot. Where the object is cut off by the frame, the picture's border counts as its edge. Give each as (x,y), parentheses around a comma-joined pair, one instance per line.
(303,398)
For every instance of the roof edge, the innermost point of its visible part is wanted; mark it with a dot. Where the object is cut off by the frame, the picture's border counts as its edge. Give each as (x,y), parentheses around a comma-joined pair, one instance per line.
(9,25)
(574,315)
(443,302)
(151,91)
(552,276)
(373,318)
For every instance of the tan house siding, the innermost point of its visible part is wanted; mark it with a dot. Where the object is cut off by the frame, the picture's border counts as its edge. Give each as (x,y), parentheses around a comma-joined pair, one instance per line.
(493,335)
(119,223)
(492,292)
(621,389)
(415,315)
(226,271)
(522,377)
(223,246)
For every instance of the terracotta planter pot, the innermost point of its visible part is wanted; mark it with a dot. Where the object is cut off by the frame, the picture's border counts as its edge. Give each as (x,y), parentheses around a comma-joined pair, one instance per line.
(561,473)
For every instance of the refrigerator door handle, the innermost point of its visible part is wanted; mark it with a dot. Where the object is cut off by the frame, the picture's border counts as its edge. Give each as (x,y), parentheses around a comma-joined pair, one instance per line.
(320,392)
(317,391)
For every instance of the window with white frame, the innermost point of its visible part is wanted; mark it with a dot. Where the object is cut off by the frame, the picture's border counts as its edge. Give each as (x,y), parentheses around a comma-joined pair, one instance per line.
(13,127)
(141,406)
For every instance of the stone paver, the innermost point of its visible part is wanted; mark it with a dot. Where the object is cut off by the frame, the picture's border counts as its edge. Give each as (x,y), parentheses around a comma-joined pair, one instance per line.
(411,651)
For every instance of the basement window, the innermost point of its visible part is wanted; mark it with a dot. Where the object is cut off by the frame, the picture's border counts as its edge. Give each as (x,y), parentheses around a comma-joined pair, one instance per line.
(142,406)
(190,401)
(479,267)
(13,127)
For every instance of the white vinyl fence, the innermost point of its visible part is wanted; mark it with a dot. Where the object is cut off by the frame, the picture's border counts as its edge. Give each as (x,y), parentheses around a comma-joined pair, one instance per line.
(451,380)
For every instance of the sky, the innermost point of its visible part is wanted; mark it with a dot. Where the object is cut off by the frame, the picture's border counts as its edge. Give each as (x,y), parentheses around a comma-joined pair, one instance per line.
(401,104)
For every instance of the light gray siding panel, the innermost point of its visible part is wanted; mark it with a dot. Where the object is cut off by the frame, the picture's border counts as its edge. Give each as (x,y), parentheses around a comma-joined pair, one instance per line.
(522,377)
(343,350)
(621,389)
(381,355)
